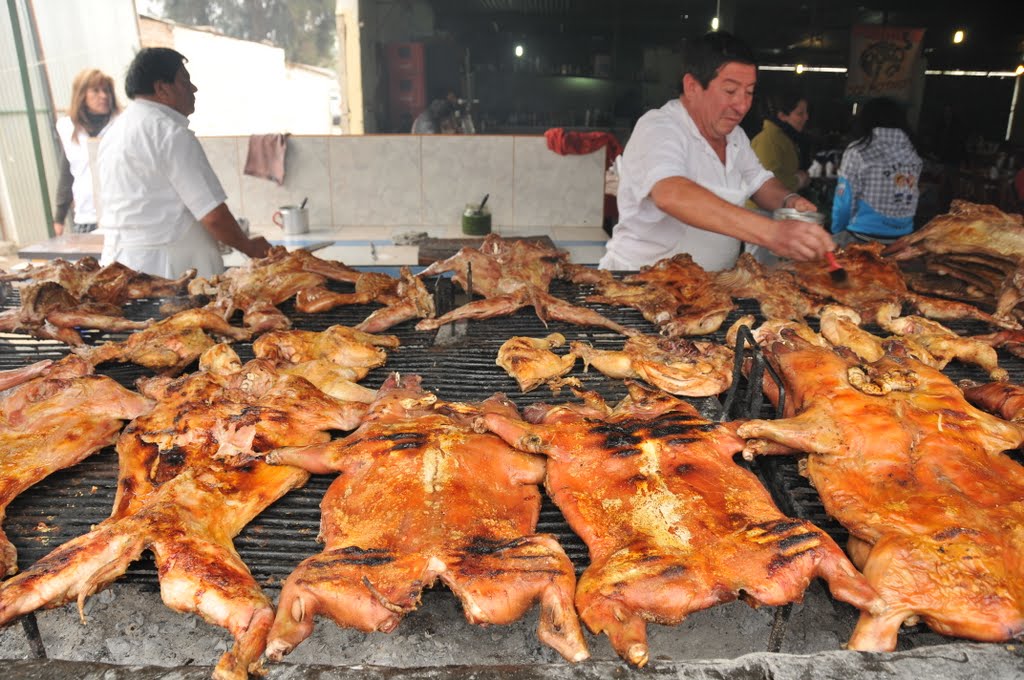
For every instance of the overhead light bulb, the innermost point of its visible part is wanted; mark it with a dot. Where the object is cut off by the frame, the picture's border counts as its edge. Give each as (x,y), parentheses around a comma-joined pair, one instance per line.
(1019,71)
(714,24)
(799,68)
(958,37)
(519,50)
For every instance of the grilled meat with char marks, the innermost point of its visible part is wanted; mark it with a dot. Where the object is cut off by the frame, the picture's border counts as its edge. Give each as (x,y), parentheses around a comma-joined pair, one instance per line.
(48,311)
(403,299)
(53,421)
(873,281)
(675,294)
(421,496)
(176,498)
(169,345)
(511,275)
(917,476)
(673,525)
(676,365)
(114,283)
(532,363)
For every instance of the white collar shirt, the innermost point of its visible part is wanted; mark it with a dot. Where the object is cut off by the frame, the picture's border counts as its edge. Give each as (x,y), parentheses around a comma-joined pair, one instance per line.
(155,179)
(666,143)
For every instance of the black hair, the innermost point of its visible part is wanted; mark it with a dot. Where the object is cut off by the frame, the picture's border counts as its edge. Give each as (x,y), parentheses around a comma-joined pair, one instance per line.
(150,66)
(880,112)
(704,57)
(783,101)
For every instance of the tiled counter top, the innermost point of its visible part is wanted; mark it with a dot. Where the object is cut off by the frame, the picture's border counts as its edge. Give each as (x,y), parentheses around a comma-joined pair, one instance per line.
(355,246)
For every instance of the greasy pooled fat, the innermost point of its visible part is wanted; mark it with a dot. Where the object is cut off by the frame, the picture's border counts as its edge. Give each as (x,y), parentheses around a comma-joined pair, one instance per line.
(53,421)
(179,499)
(511,275)
(421,496)
(917,475)
(673,524)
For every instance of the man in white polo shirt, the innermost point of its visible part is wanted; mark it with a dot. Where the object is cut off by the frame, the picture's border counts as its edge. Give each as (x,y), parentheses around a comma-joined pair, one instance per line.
(688,169)
(163,207)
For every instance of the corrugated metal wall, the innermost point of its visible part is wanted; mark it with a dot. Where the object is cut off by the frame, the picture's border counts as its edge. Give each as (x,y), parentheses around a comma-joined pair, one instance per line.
(60,37)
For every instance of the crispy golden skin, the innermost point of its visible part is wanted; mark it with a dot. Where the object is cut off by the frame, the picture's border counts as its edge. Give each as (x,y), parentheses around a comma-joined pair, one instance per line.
(918,477)
(177,498)
(53,421)
(422,496)
(672,523)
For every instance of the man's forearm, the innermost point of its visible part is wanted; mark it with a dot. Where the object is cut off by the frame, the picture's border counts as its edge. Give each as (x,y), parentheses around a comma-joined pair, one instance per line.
(692,204)
(773,195)
(223,227)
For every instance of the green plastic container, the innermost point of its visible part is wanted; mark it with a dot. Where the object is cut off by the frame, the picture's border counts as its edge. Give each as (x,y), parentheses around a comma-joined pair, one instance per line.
(476,222)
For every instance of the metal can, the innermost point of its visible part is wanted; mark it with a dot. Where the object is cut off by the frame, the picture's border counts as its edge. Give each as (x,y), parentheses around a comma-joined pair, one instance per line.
(791,214)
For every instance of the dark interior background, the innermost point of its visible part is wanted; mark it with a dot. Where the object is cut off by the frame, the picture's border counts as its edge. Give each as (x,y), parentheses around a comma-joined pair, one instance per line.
(587,63)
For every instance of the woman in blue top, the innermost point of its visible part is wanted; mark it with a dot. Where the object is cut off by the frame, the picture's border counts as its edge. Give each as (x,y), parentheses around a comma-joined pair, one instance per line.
(877,190)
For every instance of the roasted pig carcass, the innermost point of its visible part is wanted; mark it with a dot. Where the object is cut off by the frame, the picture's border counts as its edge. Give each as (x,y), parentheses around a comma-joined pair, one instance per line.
(16,376)
(54,421)
(168,346)
(675,294)
(676,365)
(776,290)
(1004,399)
(422,496)
(917,476)
(338,344)
(873,281)
(178,499)
(262,284)
(511,275)
(113,283)
(673,524)
(48,311)
(403,299)
(531,362)
(1011,341)
(941,342)
(968,228)
(977,244)
(841,327)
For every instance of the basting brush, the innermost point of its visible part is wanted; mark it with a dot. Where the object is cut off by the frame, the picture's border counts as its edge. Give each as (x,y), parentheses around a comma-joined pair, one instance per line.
(835,270)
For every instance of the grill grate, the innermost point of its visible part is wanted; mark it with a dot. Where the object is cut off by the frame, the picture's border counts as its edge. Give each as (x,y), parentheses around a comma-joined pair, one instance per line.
(69,502)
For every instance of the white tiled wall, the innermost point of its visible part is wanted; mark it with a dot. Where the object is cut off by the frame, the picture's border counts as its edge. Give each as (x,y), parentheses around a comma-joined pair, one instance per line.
(412,181)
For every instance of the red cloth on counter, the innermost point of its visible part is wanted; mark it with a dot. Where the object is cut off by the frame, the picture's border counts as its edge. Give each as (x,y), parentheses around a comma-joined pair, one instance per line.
(565,143)
(266,157)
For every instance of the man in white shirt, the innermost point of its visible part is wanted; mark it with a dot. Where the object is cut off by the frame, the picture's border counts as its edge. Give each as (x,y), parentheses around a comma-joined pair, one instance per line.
(688,169)
(163,207)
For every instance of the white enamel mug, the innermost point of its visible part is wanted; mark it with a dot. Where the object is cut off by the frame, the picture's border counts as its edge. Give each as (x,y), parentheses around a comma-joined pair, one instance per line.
(292,219)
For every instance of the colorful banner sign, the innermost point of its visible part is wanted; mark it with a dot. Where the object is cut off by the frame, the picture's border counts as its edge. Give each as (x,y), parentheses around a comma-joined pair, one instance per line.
(882,61)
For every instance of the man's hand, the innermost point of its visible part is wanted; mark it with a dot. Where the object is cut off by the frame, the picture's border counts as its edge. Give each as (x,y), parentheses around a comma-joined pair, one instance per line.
(802,204)
(58,228)
(257,246)
(800,240)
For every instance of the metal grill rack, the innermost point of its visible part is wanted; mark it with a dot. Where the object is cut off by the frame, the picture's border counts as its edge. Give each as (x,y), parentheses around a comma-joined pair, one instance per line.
(458,364)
